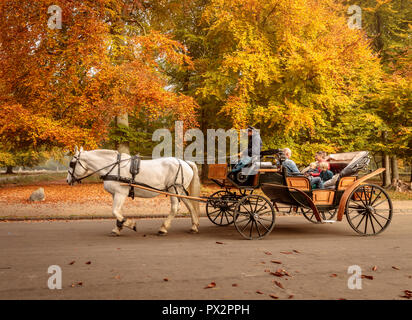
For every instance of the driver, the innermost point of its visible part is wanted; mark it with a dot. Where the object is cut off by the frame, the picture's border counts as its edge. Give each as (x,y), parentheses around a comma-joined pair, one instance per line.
(252,152)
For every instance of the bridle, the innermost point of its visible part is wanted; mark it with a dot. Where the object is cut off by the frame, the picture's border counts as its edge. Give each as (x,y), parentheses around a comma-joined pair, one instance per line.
(73,165)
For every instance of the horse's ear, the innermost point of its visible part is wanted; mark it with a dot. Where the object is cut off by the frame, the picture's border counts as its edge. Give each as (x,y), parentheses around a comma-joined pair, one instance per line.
(76,150)
(81,149)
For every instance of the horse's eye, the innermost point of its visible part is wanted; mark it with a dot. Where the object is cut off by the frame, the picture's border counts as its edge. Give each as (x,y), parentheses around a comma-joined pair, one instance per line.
(72,164)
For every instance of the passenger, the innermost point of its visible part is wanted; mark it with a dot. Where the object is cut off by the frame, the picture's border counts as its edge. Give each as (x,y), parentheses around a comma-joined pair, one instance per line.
(289,164)
(313,168)
(325,173)
(320,157)
(291,167)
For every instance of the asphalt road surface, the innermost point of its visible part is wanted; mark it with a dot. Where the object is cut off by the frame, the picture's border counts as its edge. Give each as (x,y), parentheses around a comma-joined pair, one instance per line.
(214,264)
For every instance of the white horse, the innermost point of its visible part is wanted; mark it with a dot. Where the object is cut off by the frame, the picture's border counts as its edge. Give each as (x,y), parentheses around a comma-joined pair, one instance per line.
(162,174)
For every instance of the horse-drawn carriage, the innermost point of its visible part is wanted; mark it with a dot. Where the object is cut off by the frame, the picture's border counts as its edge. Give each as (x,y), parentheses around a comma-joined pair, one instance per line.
(367,207)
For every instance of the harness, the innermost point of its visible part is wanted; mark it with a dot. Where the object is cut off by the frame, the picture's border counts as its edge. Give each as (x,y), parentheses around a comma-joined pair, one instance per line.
(134,171)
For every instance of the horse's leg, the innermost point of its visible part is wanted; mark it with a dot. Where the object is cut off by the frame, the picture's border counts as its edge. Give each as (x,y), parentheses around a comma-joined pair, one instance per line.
(193,214)
(118,200)
(174,206)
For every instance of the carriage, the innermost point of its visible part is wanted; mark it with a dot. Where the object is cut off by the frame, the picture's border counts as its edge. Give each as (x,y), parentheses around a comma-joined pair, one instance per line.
(367,206)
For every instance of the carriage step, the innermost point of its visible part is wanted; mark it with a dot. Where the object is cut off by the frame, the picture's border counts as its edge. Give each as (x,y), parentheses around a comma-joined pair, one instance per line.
(328,221)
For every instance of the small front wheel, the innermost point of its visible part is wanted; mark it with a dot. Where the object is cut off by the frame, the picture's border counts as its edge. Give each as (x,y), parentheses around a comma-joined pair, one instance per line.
(369,209)
(254,217)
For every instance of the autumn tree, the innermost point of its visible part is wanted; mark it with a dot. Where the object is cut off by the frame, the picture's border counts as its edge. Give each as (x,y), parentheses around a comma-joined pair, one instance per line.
(387,23)
(62,87)
(294,69)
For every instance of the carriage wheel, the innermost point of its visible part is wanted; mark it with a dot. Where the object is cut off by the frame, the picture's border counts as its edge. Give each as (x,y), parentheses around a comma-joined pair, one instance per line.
(220,209)
(254,217)
(325,215)
(369,209)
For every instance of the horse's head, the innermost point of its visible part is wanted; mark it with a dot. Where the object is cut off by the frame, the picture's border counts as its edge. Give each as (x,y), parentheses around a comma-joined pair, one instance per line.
(77,167)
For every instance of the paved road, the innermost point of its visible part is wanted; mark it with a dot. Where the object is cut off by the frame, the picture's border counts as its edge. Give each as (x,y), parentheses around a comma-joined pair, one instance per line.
(135,265)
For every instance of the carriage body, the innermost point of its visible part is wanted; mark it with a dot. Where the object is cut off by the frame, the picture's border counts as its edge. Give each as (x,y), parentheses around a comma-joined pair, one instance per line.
(367,207)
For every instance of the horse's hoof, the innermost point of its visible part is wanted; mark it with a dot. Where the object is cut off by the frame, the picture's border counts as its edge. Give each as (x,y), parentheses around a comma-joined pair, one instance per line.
(161,233)
(194,231)
(114,234)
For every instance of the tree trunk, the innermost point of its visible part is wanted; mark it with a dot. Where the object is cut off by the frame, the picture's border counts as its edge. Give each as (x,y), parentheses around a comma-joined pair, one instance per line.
(395,171)
(387,172)
(9,170)
(123,147)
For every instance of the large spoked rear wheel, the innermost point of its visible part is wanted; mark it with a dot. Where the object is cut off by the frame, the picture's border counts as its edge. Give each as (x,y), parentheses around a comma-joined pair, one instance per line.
(369,210)
(254,217)
(221,207)
(325,215)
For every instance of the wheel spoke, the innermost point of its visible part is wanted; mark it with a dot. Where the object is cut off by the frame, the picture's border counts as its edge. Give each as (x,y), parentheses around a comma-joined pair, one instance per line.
(244,227)
(263,225)
(373,227)
(257,228)
(377,197)
(216,217)
(360,222)
(366,223)
(382,216)
(373,216)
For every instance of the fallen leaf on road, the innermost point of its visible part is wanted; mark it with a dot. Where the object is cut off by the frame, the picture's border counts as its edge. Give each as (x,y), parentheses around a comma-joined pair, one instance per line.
(286,252)
(273,296)
(342,299)
(88,262)
(408,294)
(218,242)
(80,283)
(267,270)
(277,274)
(291,296)
(396,268)
(296,251)
(279,284)
(210,285)
(374,268)
(165,279)
(277,262)
(333,275)
(234,285)
(117,277)
(259,292)
(364,276)
(268,253)
(72,262)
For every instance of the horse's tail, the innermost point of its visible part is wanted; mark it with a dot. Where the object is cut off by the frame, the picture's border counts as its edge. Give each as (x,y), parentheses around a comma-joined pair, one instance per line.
(194,187)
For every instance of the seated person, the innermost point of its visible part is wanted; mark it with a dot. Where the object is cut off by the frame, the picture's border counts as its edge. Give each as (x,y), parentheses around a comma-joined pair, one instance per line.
(325,173)
(291,167)
(288,163)
(252,152)
(320,157)
(313,169)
